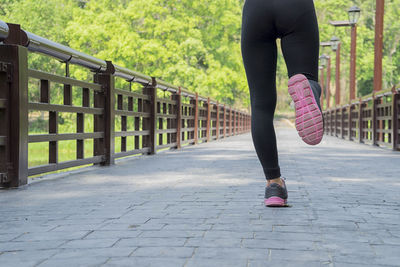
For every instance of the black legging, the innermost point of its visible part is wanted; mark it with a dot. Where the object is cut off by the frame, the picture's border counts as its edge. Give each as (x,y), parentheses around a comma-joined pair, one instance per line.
(263,21)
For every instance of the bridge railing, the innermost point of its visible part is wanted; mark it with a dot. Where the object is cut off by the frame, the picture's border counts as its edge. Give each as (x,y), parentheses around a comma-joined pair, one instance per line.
(373,119)
(155,116)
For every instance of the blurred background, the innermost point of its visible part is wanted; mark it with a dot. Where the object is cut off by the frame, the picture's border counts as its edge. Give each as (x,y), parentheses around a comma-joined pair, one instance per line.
(196,43)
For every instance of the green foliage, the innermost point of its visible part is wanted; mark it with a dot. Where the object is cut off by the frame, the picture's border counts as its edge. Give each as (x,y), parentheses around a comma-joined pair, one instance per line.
(194,44)
(337,10)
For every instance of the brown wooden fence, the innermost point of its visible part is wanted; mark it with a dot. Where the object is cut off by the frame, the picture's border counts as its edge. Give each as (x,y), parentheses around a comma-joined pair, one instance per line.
(164,116)
(373,119)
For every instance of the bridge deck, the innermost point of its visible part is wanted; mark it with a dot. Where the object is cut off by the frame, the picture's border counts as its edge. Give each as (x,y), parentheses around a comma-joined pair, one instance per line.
(202,206)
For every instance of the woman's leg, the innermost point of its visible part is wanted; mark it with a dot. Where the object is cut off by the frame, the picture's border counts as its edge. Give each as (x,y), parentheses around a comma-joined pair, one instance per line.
(298,28)
(259,54)
(300,47)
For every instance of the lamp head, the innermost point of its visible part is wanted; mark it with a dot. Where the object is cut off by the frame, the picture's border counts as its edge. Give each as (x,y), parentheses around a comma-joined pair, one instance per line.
(324,59)
(354,14)
(334,43)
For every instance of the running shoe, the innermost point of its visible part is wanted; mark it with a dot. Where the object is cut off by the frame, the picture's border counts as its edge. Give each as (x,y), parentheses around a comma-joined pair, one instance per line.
(276,195)
(309,120)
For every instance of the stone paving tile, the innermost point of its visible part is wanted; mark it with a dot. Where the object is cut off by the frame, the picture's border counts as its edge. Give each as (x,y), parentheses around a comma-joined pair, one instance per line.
(145,262)
(283,263)
(172,233)
(94,252)
(201,262)
(147,212)
(8,237)
(170,252)
(78,262)
(53,235)
(231,253)
(101,234)
(25,258)
(212,243)
(90,243)
(151,242)
(30,245)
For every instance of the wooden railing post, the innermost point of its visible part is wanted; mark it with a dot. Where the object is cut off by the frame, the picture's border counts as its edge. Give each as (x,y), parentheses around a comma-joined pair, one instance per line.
(374,122)
(234,122)
(196,119)
(349,122)
(224,121)
(105,122)
(395,119)
(217,126)
(151,122)
(178,98)
(336,120)
(14,112)
(230,122)
(208,119)
(360,122)
(240,122)
(342,121)
(243,122)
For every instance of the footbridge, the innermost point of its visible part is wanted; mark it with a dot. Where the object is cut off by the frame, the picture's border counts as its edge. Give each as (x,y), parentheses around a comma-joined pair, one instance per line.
(168,177)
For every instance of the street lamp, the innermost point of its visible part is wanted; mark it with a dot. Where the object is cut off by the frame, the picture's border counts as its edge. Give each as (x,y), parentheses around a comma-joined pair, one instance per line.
(354,14)
(324,59)
(334,43)
(328,72)
(325,63)
(378,53)
(322,80)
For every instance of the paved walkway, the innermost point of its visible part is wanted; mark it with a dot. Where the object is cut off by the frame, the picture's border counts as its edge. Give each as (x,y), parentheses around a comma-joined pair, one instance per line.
(203,206)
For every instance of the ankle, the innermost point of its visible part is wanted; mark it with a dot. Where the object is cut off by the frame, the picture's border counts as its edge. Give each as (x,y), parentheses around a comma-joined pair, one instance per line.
(277,181)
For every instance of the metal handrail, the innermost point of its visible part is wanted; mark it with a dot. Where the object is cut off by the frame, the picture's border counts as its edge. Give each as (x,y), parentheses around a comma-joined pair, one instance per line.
(130,75)
(66,54)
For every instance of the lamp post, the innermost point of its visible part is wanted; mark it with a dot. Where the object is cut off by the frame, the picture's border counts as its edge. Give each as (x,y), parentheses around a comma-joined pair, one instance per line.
(328,73)
(354,14)
(335,41)
(328,82)
(380,8)
(325,64)
(322,78)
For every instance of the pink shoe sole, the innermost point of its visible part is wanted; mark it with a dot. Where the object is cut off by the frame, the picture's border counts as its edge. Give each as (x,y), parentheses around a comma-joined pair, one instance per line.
(309,122)
(275,202)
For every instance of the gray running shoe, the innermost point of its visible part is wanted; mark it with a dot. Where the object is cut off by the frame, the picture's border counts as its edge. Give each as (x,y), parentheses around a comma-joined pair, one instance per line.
(276,195)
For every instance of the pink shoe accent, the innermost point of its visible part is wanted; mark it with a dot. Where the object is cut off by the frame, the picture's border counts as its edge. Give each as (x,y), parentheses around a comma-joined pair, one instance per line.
(275,202)
(309,122)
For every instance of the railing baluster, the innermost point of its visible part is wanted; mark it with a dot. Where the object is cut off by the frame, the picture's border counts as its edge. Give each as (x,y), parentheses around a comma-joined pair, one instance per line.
(230,121)
(217,130)
(360,122)
(196,119)
(150,123)
(395,120)
(178,109)
(224,121)
(374,122)
(208,122)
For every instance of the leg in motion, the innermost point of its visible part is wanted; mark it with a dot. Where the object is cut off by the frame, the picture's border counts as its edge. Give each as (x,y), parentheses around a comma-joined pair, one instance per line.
(300,47)
(259,53)
(259,57)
